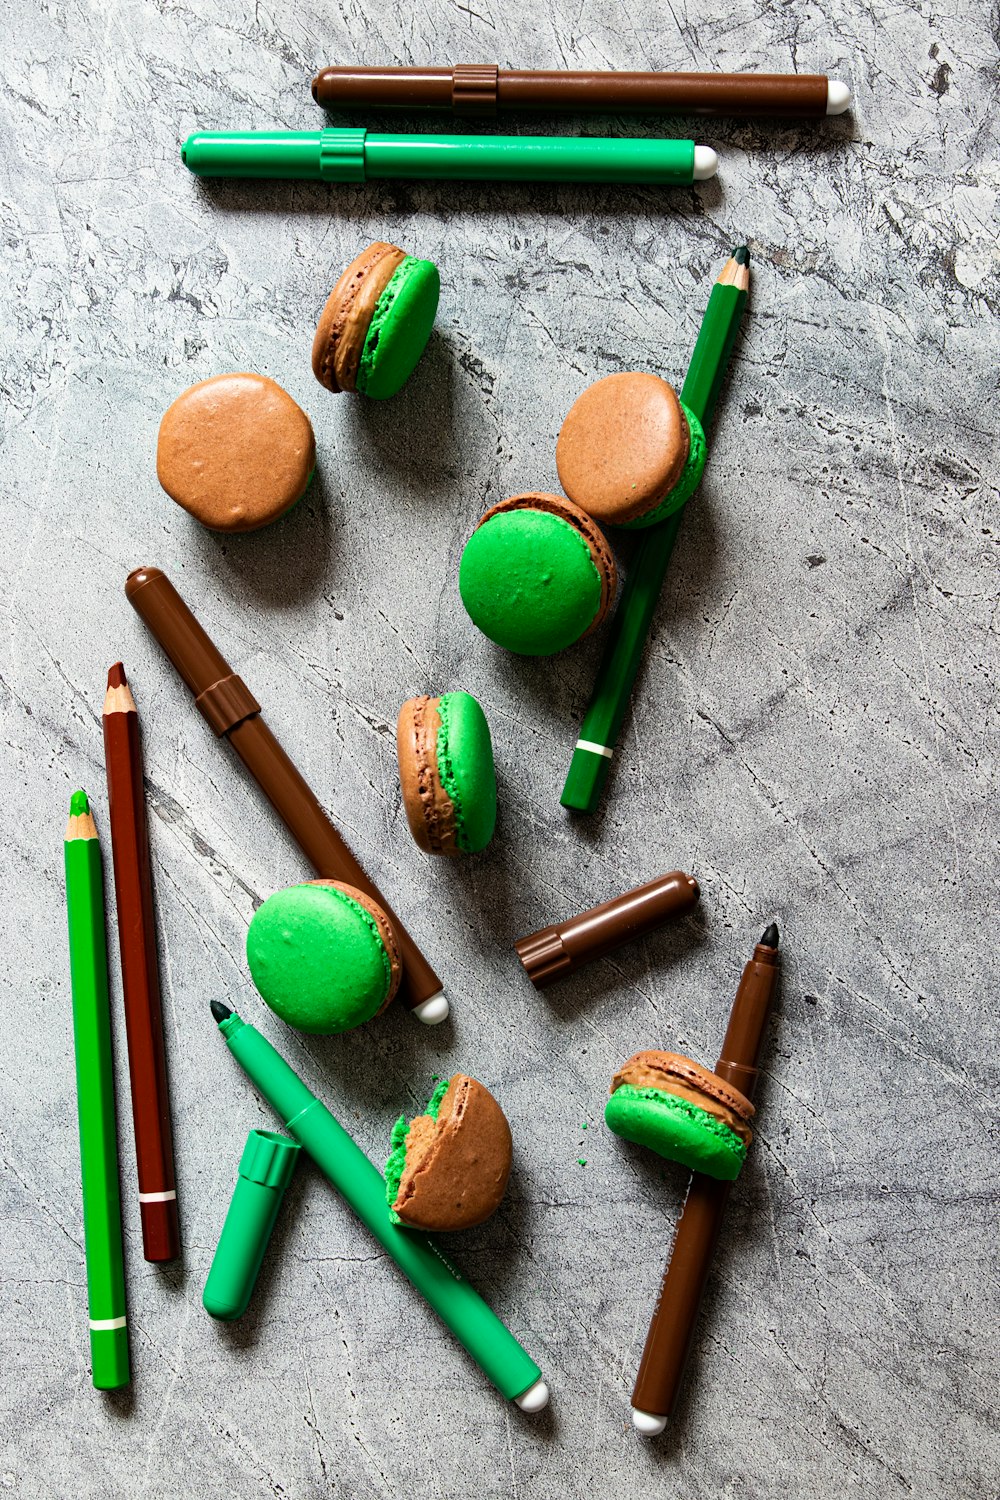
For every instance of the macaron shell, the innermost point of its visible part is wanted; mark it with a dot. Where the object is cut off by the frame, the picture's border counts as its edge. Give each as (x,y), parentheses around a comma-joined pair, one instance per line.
(676,1129)
(536,574)
(689,481)
(429,810)
(346,318)
(458,1173)
(235,451)
(654,1068)
(320,958)
(622,447)
(400,327)
(465,766)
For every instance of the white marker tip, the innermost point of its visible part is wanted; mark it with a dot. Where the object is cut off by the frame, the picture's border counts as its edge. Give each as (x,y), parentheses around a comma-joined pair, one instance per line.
(706,163)
(838,97)
(648,1424)
(433,1011)
(535,1398)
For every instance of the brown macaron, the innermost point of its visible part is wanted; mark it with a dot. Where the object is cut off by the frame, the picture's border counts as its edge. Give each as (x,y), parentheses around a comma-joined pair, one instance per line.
(345,319)
(623,448)
(686,1079)
(457,1165)
(235,451)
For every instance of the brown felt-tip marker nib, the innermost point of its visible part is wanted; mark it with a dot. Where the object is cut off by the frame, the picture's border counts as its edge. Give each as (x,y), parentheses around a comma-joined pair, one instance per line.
(554,952)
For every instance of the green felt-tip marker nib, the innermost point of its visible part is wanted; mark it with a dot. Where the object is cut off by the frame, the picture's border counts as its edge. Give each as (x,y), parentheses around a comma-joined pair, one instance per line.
(79,803)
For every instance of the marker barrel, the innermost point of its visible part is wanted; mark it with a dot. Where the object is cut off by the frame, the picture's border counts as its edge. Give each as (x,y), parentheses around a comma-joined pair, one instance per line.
(347,154)
(490,1343)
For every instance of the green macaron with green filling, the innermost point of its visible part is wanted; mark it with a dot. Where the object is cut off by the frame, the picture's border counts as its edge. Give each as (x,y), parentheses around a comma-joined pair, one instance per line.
(447,773)
(682,1111)
(323,956)
(537,574)
(376,322)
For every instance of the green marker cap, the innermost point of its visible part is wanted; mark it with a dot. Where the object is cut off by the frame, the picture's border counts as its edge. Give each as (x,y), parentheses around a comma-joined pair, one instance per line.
(266,1168)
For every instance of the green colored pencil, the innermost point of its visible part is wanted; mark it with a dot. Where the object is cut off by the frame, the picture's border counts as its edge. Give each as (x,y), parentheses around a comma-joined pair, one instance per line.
(95,1092)
(616,675)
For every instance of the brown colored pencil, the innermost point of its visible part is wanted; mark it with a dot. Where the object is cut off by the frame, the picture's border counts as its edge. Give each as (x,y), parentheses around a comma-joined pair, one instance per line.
(140,972)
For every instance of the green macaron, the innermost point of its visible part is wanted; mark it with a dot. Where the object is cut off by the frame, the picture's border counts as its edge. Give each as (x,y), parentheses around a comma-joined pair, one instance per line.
(682,1111)
(400,327)
(323,956)
(537,574)
(376,322)
(447,773)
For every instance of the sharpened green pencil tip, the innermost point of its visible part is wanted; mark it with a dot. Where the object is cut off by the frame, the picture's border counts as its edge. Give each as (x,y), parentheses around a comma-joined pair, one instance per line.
(79,803)
(741,255)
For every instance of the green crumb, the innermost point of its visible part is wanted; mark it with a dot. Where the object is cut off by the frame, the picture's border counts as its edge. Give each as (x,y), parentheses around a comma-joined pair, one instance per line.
(584,1125)
(581,1161)
(79,803)
(396,1163)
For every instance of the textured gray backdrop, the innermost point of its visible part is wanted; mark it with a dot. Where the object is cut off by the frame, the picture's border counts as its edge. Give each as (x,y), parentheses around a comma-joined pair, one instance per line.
(811,738)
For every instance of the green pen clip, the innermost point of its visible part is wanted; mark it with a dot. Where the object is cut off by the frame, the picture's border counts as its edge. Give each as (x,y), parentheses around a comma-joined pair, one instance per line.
(265,1171)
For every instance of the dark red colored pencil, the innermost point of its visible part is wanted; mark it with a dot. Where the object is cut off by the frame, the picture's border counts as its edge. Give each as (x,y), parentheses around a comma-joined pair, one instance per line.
(140,972)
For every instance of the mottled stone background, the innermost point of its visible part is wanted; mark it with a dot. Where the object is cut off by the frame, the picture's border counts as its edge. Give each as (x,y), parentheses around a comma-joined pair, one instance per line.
(811,737)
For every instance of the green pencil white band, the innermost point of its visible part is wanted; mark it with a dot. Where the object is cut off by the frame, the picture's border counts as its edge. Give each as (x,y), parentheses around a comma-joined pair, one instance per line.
(595,749)
(167,1197)
(106,1325)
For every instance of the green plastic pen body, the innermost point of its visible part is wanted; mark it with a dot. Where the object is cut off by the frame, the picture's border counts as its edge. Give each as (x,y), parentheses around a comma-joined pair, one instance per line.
(102,1227)
(492,1345)
(591,760)
(349,154)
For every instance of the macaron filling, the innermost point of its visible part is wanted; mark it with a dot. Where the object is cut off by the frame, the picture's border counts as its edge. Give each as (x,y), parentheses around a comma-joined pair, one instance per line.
(465,767)
(677,1129)
(396,1164)
(680,493)
(533,577)
(399,329)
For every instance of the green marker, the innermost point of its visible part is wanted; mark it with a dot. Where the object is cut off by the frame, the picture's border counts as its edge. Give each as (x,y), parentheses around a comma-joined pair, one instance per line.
(616,675)
(349,154)
(494,1348)
(95,1091)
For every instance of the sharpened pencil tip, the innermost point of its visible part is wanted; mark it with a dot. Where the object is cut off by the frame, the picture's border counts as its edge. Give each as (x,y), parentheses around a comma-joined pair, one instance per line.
(220,1012)
(79,803)
(116,676)
(770,938)
(741,255)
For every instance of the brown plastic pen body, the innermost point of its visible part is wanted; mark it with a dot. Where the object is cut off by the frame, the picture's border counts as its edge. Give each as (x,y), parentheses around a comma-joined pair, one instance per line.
(233,712)
(140,973)
(559,950)
(671,1330)
(483,89)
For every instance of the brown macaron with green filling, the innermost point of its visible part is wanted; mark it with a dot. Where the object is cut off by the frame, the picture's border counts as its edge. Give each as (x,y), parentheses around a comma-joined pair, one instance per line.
(448,1168)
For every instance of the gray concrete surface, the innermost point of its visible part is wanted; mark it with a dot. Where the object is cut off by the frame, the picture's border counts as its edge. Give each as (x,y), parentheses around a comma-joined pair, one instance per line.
(811,736)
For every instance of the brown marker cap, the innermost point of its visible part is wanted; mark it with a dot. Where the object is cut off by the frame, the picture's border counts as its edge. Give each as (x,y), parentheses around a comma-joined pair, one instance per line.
(553,952)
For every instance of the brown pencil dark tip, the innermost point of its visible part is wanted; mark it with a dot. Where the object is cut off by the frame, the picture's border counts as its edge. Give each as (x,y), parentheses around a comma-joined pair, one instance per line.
(770,938)
(116,676)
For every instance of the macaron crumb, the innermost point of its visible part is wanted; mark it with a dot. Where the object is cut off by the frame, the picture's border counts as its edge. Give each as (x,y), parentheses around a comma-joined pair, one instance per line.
(581,1161)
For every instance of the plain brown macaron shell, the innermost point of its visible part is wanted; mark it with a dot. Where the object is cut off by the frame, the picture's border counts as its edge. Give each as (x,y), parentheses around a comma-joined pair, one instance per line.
(623,446)
(235,451)
(680,1075)
(345,319)
(600,551)
(429,810)
(457,1166)
(385,930)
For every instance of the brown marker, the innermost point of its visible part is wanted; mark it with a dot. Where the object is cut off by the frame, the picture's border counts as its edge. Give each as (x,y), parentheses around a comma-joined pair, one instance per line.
(669,1339)
(231,710)
(553,952)
(154,1150)
(484,90)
